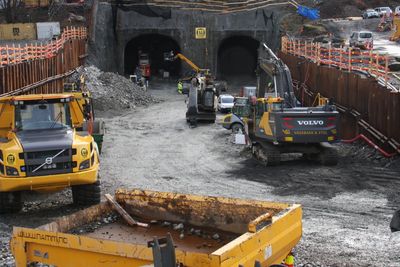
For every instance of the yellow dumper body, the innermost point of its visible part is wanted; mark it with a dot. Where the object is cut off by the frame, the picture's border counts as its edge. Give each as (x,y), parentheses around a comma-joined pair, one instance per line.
(253,231)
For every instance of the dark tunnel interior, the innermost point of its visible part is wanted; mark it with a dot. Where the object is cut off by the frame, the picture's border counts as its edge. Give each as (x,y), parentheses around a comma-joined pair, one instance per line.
(237,57)
(155,45)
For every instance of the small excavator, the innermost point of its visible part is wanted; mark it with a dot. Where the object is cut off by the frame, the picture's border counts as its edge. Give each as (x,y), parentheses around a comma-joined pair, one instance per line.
(278,124)
(202,99)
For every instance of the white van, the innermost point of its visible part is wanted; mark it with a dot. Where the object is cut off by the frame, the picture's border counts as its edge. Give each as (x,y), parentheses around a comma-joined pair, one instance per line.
(362,39)
(384,11)
(225,103)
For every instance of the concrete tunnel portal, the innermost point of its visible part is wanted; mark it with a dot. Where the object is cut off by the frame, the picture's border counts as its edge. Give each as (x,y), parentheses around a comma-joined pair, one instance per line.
(155,45)
(237,57)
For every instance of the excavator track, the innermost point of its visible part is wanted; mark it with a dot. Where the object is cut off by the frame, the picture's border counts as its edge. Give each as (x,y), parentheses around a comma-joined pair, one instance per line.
(268,154)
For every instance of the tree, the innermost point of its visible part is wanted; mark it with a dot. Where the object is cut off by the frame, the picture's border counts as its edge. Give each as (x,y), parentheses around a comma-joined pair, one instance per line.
(10,9)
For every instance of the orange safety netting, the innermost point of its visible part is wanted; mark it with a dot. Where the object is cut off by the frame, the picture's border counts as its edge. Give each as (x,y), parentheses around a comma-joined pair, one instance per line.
(345,58)
(14,54)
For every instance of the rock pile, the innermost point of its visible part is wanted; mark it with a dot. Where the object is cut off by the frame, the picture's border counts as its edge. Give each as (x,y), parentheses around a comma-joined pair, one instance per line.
(112,92)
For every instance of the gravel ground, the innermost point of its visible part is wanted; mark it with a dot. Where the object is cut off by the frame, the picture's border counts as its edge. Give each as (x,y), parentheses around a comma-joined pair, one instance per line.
(347,208)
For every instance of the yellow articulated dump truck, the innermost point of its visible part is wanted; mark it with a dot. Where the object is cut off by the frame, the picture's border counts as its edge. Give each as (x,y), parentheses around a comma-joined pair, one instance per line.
(176,230)
(41,148)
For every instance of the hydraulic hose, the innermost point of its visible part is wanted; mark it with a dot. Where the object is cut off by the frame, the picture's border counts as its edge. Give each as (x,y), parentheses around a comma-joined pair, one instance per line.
(372,144)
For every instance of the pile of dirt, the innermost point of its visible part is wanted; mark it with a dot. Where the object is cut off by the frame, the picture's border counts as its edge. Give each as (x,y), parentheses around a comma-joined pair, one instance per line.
(112,92)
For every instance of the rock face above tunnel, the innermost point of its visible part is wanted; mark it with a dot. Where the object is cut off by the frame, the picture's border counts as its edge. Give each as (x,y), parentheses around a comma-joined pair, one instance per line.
(137,29)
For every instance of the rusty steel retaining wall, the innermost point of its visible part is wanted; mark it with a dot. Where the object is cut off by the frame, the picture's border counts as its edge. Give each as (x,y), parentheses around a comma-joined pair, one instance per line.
(366,106)
(42,68)
(36,76)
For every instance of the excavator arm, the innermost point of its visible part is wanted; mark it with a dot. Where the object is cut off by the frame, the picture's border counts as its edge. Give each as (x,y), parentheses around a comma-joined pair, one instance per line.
(188,61)
(170,56)
(272,68)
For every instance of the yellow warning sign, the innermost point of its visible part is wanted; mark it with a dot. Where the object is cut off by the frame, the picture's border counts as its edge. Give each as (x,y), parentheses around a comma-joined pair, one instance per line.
(201,33)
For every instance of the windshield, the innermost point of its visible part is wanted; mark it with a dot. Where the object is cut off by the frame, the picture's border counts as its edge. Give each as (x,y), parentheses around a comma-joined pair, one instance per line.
(241,110)
(276,106)
(365,35)
(227,100)
(40,116)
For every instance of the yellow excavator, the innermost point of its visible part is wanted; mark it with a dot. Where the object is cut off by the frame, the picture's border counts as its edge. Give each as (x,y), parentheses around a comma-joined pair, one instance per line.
(171,56)
(278,124)
(202,100)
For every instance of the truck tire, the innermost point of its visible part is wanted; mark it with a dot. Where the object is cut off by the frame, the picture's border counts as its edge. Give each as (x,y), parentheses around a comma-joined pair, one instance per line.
(328,157)
(236,128)
(86,195)
(10,202)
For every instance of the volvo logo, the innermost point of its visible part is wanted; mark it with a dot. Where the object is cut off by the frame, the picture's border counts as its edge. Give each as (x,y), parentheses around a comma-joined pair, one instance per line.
(48,161)
(311,123)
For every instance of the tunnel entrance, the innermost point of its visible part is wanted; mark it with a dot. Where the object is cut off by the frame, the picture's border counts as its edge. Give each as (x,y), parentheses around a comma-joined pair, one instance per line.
(154,45)
(237,58)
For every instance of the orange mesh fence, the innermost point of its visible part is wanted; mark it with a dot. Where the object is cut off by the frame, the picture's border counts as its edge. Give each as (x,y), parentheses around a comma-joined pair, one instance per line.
(14,54)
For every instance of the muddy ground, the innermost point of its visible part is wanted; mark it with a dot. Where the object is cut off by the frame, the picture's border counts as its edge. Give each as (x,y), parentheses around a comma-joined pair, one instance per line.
(347,208)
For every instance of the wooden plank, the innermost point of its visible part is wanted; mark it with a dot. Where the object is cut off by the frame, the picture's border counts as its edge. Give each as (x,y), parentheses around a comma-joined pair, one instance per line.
(123,213)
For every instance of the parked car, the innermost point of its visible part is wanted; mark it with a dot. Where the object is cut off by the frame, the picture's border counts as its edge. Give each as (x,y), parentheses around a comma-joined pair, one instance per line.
(397,11)
(225,103)
(370,13)
(384,11)
(362,39)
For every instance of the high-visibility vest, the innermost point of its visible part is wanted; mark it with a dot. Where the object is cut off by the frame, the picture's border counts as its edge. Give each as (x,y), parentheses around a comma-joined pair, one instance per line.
(289,261)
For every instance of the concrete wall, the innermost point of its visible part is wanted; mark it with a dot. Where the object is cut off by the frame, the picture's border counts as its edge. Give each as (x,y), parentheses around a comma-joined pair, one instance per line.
(262,25)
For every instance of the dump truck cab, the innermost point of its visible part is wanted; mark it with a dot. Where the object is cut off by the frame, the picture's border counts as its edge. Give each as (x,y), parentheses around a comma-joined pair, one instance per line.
(41,148)
(236,120)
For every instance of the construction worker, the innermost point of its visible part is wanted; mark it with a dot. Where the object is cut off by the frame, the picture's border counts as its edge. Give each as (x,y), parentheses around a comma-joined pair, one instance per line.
(289,261)
(180,87)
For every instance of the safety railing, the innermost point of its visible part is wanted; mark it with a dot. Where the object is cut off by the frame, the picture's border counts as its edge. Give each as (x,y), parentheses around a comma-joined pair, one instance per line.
(344,58)
(16,53)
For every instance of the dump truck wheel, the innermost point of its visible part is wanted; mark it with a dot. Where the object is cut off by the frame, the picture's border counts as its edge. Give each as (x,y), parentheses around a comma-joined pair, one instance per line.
(86,195)
(328,157)
(10,202)
(237,128)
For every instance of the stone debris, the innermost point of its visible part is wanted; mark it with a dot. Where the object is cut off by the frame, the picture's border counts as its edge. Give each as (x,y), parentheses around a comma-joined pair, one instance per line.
(215,236)
(111,91)
(89,228)
(178,227)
